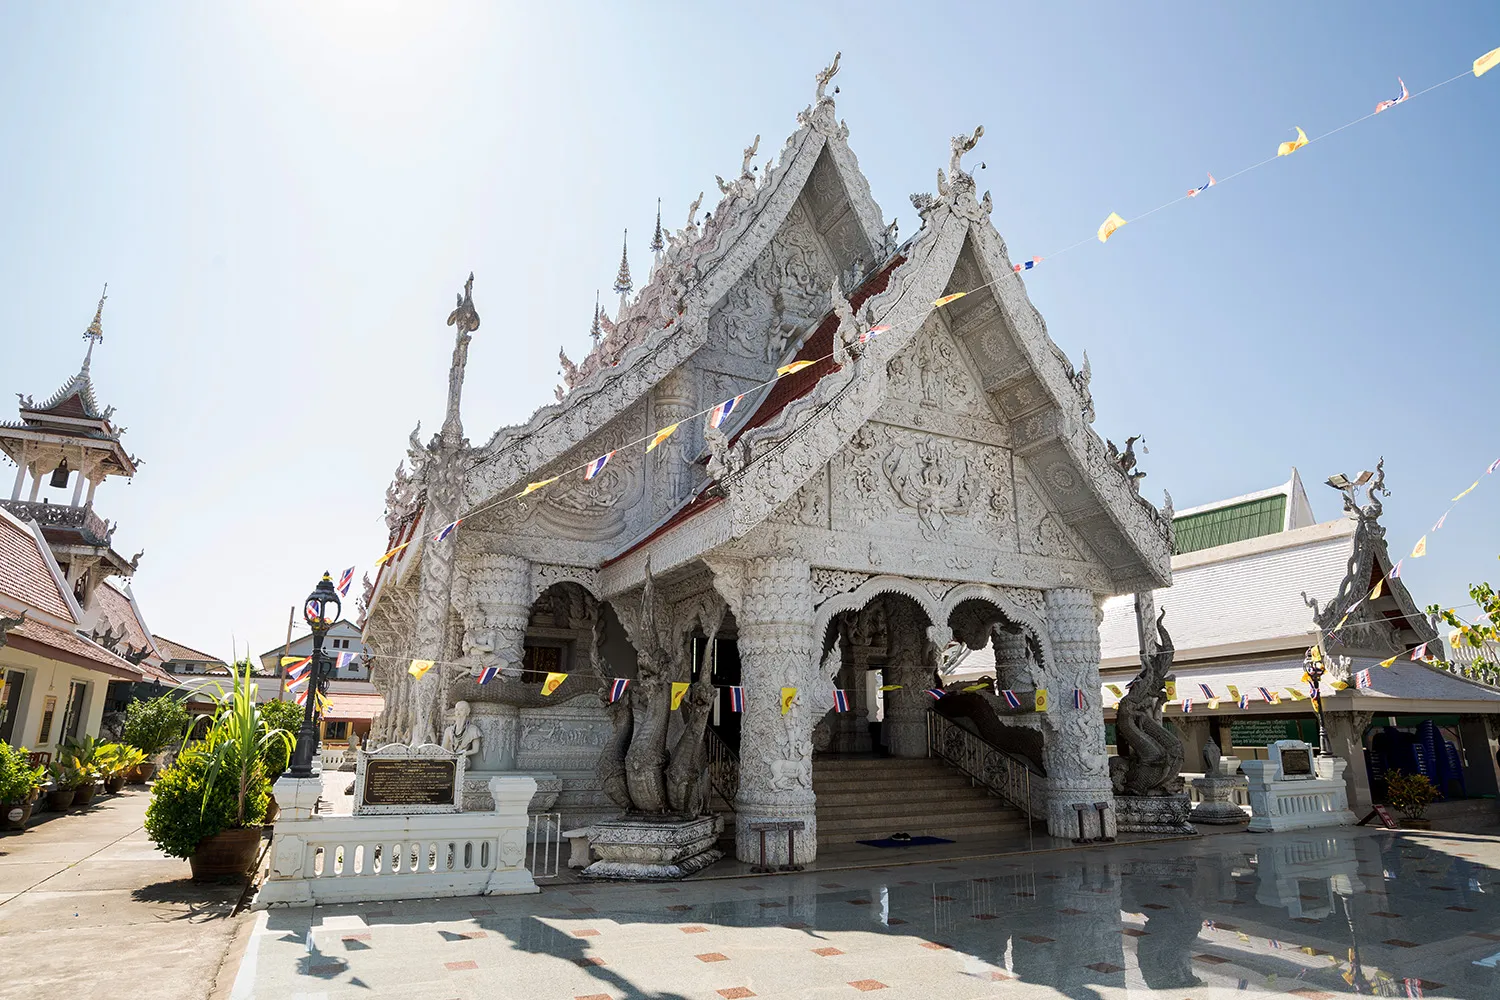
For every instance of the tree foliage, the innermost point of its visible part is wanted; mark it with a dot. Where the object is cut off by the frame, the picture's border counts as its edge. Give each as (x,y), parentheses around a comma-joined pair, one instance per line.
(1479,636)
(154,725)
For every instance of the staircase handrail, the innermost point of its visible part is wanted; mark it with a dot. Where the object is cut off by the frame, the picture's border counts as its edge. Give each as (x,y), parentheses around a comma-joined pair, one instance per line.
(1007,775)
(723,767)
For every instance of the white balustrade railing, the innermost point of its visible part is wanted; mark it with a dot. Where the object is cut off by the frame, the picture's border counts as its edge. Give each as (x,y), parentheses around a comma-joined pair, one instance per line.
(323,858)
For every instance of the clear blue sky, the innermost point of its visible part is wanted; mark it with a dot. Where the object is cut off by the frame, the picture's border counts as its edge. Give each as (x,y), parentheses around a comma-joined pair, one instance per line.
(284,199)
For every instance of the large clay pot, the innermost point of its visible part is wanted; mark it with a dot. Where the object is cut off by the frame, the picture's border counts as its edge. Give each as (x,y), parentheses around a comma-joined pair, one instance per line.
(13,815)
(142,773)
(227,854)
(114,783)
(60,799)
(84,794)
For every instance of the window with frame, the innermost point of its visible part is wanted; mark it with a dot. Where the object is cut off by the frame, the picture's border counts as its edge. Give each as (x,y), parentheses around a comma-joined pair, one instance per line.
(540,661)
(73,713)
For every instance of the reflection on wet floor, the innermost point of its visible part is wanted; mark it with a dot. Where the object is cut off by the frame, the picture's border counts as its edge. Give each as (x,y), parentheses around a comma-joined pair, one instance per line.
(1312,914)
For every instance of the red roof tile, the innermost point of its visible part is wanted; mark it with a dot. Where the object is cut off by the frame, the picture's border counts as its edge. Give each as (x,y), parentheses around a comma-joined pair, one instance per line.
(58,644)
(115,609)
(353,706)
(173,650)
(24,572)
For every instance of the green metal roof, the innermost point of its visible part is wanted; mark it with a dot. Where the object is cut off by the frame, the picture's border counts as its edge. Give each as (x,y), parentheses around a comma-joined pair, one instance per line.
(1250,519)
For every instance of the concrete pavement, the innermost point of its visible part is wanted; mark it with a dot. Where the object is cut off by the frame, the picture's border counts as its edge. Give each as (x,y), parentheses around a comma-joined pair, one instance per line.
(87,904)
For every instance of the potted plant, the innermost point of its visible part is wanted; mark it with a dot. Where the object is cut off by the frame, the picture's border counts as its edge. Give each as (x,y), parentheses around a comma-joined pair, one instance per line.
(66,777)
(19,784)
(1411,794)
(153,726)
(84,754)
(277,754)
(116,762)
(208,806)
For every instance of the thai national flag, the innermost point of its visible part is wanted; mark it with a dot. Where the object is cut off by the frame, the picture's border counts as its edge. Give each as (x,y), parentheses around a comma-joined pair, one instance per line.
(345,579)
(1208,692)
(488,674)
(936,692)
(736,699)
(1187,705)
(1195,192)
(1010,698)
(1244,701)
(721,413)
(1079,701)
(346,658)
(873,332)
(299,682)
(298,670)
(1363,679)
(840,700)
(1419,652)
(448,529)
(597,465)
(617,688)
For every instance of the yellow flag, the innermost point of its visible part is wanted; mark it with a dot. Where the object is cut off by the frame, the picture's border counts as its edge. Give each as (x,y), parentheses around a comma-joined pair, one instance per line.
(794,367)
(1294,694)
(1114,689)
(1288,148)
(1465,492)
(1213,703)
(939,303)
(533,487)
(1339,685)
(890,687)
(553,682)
(1111,224)
(1234,692)
(419,667)
(391,554)
(292,661)
(1171,690)
(1487,62)
(1387,663)
(679,688)
(1041,699)
(1379,587)
(661,436)
(1421,548)
(977,687)
(787,694)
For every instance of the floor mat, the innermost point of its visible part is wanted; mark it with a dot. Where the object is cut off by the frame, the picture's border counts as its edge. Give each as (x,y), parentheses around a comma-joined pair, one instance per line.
(913,842)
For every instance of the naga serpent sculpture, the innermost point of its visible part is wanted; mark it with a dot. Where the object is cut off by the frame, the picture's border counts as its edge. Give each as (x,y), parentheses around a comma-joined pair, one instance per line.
(1150,761)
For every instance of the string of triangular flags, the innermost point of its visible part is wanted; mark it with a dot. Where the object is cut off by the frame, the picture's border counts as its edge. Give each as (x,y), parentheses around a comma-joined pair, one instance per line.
(1114,222)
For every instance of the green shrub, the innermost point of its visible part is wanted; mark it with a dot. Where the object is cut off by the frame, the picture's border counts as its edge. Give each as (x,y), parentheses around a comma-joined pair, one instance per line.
(181,816)
(17,776)
(1410,793)
(152,726)
(284,715)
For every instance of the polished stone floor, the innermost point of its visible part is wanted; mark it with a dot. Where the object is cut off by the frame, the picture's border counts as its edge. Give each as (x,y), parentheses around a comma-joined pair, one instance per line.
(1313,915)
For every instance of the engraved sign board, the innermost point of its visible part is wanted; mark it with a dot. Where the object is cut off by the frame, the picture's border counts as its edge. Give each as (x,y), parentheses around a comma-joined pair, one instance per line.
(1293,760)
(397,779)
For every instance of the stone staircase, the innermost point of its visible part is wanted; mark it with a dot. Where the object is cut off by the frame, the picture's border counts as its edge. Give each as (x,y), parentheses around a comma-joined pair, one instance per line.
(870,798)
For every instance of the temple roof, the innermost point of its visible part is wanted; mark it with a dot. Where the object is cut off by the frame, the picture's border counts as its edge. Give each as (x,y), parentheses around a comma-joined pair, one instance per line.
(173,650)
(120,616)
(25,574)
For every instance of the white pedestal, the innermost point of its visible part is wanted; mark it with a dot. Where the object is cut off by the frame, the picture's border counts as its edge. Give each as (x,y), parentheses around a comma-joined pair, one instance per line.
(1280,803)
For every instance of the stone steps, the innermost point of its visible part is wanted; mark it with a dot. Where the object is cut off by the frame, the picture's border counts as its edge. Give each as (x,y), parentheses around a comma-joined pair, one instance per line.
(870,798)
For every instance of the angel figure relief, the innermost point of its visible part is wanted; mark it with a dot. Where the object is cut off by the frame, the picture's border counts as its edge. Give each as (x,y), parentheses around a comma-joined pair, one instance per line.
(932,480)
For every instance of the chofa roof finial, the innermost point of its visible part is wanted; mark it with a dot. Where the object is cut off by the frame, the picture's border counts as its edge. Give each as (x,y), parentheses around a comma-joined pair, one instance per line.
(623,283)
(95,333)
(657,243)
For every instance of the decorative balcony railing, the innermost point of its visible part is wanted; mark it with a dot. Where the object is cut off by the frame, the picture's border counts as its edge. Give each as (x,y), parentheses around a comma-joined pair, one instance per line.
(1005,774)
(56,515)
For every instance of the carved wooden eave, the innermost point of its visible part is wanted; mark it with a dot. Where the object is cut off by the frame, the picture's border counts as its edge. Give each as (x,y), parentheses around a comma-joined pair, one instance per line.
(741,230)
(1030,384)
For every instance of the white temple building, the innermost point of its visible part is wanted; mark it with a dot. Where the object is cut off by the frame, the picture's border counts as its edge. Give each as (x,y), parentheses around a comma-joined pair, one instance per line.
(930,476)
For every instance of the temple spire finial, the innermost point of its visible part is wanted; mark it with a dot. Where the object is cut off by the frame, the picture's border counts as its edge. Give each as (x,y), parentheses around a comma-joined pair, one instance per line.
(622,277)
(594,330)
(95,333)
(657,243)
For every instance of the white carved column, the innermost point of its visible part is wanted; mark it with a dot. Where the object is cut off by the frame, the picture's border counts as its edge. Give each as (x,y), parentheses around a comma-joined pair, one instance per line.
(15,491)
(1011,660)
(36,482)
(1073,739)
(1346,737)
(776,651)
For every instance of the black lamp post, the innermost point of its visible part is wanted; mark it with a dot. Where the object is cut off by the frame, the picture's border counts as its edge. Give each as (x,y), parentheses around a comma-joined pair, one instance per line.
(320,610)
(1315,669)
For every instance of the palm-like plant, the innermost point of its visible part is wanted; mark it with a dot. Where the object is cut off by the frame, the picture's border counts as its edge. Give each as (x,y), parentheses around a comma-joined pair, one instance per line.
(236,741)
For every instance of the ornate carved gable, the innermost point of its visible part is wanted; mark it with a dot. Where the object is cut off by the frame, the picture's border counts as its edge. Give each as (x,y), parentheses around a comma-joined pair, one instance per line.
(746,284)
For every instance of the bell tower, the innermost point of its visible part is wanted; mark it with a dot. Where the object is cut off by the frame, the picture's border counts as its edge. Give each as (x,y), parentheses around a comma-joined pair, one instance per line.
(62,443)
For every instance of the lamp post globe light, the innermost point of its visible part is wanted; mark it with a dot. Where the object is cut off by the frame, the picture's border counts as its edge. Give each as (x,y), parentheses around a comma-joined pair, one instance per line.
(320,610)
